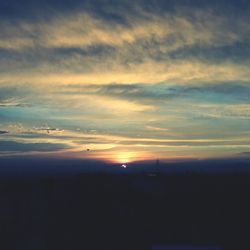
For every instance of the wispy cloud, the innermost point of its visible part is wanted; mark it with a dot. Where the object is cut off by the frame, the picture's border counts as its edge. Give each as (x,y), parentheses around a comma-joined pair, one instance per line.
(82,48)
(12,103)
(83,29)
(110,71)
(168,81)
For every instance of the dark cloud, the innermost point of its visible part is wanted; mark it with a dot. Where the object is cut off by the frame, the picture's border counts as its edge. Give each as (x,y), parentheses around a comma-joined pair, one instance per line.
(245,153)
(13,146)
(18,8)
(238,52)
(33,133)
(3,132)
(226,92)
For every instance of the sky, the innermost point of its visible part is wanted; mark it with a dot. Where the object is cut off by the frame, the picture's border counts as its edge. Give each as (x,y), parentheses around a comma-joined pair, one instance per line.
(123,81)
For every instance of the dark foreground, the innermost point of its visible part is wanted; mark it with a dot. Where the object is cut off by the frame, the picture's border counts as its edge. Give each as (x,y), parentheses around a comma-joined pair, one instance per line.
(125,212)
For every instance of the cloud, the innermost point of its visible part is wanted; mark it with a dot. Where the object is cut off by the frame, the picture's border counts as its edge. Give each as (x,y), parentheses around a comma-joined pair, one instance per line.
(11,103)
(134,73)
(83,48)
(14,146)
(84,29)
(245,153)
(2,132)
(48,129)
(179,72)
(223,111)
(73,143)
(163,90)
(12,96)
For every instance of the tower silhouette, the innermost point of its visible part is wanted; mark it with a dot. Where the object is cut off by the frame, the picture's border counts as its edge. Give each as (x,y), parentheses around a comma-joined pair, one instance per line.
(157,166)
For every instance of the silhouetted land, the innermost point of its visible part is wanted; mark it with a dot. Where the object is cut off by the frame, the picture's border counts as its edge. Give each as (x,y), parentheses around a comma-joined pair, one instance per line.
(117,211)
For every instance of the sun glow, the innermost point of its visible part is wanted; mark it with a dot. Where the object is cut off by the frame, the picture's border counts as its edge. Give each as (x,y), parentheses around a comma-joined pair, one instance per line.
(125,157)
